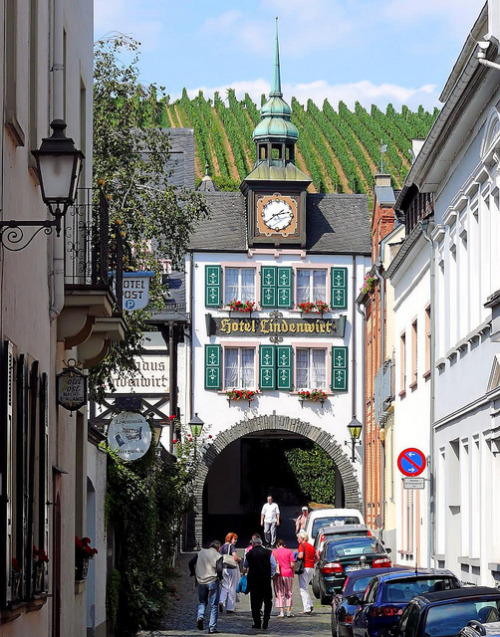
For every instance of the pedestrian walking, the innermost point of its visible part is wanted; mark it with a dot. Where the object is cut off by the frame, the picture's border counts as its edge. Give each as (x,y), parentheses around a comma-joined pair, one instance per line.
(269,519)
(231,575)
(283,580)
(207,567)
(261,565)
(306,553)
(300,522)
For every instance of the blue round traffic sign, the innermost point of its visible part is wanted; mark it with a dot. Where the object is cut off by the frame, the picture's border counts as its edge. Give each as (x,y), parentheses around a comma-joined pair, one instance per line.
(411,462)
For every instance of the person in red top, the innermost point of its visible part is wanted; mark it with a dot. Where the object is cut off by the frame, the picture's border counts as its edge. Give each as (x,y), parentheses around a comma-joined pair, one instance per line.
(307,553)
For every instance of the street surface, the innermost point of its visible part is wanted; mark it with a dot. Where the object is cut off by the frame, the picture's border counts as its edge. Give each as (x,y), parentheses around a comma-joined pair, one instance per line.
(181,619)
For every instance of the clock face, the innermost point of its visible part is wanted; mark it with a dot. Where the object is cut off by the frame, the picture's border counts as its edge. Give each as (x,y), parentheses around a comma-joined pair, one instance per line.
(277,214)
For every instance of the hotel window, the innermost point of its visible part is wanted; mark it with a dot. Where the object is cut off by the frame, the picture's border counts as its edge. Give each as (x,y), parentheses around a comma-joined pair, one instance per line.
(239,367)
(427,341)
(402,365)
(414,354)
(310,368)
(239,284)
(311,285)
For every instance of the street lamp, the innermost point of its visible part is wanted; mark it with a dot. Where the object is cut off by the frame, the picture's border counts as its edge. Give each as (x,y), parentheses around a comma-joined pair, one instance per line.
(59,164)
(355,428)
(196,425)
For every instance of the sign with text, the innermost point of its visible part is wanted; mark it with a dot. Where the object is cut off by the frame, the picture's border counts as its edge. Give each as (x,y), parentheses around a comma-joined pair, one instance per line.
(152,376)
(318,327)
(136,290)
(129,434)
(71,389)
(414,483)
(411,462)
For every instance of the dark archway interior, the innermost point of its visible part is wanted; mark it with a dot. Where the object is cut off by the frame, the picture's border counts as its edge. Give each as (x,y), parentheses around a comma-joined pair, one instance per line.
(240,479)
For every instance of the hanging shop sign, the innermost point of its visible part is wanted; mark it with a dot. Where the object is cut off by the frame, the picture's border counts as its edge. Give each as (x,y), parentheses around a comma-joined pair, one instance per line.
(71,387)
(136,290)
(129,434)
(316,327)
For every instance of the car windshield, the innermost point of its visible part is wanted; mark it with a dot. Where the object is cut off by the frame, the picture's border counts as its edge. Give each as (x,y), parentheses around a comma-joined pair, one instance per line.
(334,519)
(448,619)
(404,590)
(353,546)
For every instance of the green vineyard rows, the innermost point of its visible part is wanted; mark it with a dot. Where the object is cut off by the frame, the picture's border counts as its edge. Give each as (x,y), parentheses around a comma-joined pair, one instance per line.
(339,148)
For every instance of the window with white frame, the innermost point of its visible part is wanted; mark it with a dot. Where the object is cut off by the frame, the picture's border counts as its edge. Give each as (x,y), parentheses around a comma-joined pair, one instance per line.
(311,285)
(239,367)
(310,368)
(239,284)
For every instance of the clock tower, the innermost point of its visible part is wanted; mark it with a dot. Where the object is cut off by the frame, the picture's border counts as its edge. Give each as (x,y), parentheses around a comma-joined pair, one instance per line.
(275,190)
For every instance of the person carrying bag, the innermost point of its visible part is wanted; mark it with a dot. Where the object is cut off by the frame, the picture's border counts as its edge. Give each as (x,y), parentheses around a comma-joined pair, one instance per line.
(304,567)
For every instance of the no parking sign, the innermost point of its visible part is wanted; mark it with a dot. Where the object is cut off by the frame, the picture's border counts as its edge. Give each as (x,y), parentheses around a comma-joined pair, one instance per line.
(411,462)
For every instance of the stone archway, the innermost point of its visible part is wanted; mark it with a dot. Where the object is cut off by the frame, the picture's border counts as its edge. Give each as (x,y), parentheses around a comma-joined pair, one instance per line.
(267,423)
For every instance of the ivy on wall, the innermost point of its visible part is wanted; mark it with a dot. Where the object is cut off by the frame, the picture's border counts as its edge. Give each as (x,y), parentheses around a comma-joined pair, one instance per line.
(314,472)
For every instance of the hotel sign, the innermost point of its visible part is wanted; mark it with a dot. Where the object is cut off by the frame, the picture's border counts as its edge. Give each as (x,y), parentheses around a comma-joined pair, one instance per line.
(268,327)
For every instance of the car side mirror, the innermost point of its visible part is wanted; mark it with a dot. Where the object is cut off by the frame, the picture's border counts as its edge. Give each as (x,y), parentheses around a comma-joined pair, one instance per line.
(353,600)
(388,550)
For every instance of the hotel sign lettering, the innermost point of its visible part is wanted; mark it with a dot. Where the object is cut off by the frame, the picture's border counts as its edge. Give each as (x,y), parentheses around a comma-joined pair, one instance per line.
(316,327)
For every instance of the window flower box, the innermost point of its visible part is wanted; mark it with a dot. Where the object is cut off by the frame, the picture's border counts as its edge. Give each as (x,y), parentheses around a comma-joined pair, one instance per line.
(313,395)
(368,284)
(83,553)
(241,394)
(40,561)
(318,307)
(244,307)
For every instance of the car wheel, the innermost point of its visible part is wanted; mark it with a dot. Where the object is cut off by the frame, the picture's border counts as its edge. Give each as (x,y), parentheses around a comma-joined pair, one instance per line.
(324,598)
(334,624)
(315,587)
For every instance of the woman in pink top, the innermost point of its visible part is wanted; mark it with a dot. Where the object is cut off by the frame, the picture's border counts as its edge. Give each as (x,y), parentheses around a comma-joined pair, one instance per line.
(283,581)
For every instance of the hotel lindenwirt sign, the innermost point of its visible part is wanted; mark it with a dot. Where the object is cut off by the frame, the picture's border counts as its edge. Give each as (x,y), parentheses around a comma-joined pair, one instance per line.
(275,325)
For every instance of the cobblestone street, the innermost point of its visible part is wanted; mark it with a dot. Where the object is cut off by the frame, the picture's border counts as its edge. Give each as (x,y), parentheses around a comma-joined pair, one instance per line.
(181,619)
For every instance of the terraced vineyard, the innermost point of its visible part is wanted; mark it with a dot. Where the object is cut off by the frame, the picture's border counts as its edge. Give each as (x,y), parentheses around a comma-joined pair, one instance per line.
(338,148)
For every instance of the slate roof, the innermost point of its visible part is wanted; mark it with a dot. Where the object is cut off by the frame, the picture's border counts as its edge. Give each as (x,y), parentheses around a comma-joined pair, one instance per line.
(337,224)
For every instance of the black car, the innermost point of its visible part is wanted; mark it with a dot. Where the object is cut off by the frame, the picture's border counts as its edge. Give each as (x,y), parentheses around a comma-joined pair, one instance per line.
(445,613)
(355,584)
(343,556)
(332,531)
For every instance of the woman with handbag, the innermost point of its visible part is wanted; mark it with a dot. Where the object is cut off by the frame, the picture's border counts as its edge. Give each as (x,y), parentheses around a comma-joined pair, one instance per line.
(283,579)
(304,567)
(230,575)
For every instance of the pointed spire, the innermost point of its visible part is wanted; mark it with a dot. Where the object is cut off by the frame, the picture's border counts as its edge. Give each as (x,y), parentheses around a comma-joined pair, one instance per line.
(276,85)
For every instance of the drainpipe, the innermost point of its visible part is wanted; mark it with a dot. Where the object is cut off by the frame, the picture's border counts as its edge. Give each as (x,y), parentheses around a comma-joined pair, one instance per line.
(381,282)
(431,499)
(191,336)
(362,311)
(58,113)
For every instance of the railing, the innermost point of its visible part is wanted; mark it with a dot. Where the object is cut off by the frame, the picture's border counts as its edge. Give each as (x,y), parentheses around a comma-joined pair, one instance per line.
(384,390)
(93,252)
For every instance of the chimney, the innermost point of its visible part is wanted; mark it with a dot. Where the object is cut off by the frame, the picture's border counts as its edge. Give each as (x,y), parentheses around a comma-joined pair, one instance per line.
(383,180)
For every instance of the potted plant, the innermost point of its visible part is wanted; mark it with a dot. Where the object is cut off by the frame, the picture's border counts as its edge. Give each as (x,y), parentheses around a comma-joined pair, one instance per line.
(241,394)
(313,395)
(83,553)
(316,307)
(40,560)
(245,307)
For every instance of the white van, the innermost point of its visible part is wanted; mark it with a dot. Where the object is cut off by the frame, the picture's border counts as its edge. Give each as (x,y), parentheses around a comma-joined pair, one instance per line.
(326,517)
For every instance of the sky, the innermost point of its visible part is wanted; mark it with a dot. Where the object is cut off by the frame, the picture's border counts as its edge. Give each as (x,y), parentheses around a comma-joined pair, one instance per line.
(372,51)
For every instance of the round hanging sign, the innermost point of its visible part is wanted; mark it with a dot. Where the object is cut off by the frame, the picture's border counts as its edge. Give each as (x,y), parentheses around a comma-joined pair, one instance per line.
(129,434)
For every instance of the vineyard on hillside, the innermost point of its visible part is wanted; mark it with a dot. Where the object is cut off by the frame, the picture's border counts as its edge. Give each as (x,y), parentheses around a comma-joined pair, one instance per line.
(338,148)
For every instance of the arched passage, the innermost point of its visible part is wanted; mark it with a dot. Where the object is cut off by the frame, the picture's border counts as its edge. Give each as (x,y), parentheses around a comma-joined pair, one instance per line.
(266,424)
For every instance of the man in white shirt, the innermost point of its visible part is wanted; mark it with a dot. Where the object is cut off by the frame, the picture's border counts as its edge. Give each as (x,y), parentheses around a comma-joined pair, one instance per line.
(270,519)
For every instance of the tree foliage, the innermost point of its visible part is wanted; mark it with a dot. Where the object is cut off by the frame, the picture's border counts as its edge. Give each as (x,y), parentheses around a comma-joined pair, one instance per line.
(314,471)
(131,157)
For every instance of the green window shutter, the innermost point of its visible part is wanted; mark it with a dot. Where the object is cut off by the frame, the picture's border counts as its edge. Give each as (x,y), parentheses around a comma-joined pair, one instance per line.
(285,287)
(268,286)
(284,366)
(213,286)
(340,361)
(213,366)
(339,288)
(267,367)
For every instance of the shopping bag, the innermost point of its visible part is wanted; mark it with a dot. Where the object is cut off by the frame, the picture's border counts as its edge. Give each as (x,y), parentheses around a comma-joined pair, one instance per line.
(242,585)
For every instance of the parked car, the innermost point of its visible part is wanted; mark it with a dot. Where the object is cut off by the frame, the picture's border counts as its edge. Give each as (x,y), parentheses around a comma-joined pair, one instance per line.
(445,613)
(332,531)
(342,556)
(388,595)
(325,517)
(355,585)
(477,629)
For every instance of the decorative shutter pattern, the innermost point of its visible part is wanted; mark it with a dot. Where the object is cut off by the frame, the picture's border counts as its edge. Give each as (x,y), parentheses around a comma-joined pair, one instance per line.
(213,286)
(213,366)
(267,367)
(285,287)
(284,366)
(340,362)
(339,288)
(268,286)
